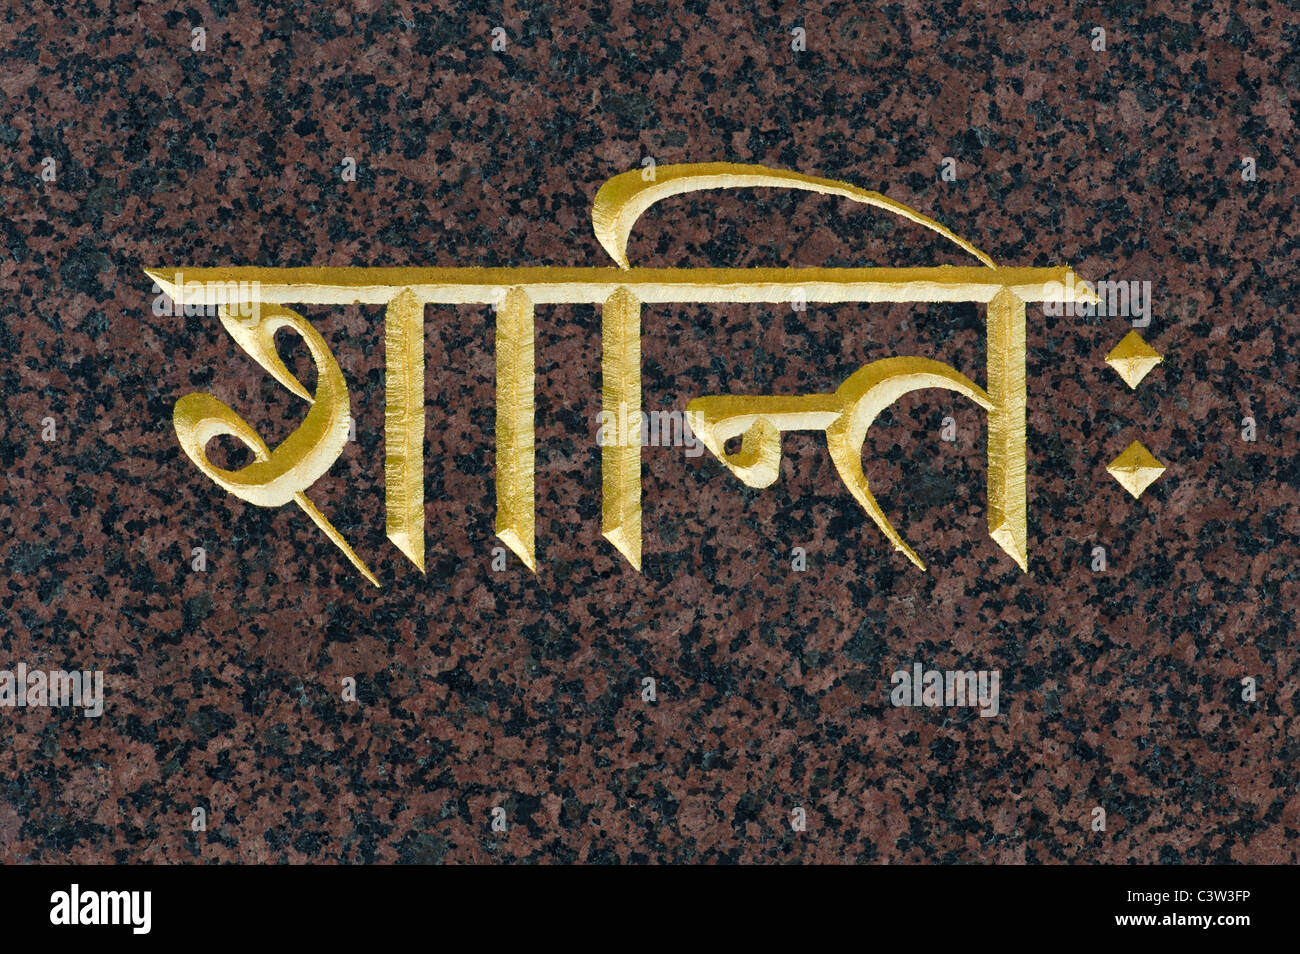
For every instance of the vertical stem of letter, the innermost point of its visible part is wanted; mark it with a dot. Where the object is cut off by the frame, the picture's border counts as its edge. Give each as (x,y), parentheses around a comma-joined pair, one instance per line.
(620,390)
(516,519)
(404,425)
(1008,505)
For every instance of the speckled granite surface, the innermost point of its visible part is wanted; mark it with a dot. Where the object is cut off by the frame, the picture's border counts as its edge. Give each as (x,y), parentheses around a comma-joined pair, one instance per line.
(1121,689)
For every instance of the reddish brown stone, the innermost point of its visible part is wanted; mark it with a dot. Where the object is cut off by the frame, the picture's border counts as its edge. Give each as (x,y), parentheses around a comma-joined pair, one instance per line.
(1120,689)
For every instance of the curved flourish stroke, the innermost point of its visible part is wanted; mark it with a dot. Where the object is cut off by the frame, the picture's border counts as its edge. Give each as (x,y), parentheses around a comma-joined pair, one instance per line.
(624,198)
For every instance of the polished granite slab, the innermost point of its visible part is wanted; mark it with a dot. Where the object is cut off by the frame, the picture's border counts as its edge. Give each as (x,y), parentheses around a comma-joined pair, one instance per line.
(480,688)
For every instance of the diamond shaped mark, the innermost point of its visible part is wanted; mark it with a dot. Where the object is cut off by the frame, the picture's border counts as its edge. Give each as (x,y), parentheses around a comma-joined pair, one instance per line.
(1135,469)
(1133,359)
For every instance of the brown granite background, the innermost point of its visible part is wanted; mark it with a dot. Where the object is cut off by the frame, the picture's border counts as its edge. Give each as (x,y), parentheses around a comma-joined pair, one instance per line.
(1120,689)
